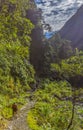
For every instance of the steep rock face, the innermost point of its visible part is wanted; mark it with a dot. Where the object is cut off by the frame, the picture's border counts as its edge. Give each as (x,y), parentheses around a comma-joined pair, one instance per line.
(73,29)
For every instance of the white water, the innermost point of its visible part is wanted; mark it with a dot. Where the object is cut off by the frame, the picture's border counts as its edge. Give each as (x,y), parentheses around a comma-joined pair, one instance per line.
(57,12)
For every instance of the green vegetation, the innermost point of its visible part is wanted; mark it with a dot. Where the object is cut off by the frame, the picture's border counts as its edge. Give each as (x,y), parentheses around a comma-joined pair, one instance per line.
(16,72)
(59,72)
(53,109)
(54,50)
(59,100)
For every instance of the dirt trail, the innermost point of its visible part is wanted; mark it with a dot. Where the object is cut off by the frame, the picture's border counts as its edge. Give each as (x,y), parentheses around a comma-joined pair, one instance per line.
(19,122)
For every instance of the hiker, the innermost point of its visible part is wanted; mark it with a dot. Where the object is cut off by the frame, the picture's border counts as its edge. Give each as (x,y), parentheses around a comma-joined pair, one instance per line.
(14,108)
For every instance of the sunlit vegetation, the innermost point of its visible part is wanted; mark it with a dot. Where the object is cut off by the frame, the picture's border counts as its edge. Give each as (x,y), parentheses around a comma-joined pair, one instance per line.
(59,101)
(56,83)
(16,72)
(53,108)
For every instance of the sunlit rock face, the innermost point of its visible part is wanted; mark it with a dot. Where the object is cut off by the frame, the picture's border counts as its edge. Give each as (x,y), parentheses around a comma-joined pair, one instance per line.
(73,29)
(57,12)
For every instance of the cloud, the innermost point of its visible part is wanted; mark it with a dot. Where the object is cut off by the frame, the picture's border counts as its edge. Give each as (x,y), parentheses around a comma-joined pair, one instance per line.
(57,12)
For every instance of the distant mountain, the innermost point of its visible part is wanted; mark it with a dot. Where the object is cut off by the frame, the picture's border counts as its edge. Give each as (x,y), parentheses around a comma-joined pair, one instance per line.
(73,29)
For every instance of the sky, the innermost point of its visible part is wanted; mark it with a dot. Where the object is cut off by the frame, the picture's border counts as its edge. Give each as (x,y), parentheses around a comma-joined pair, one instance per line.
(57,12)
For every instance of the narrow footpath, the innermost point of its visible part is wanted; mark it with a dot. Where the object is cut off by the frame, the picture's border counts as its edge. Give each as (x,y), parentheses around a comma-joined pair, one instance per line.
(19,121)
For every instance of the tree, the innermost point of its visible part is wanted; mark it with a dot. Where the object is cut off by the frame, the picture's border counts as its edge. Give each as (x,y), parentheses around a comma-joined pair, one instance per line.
(54,50)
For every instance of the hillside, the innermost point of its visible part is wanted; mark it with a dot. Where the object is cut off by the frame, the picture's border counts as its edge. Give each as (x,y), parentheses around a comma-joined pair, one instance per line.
(73,29)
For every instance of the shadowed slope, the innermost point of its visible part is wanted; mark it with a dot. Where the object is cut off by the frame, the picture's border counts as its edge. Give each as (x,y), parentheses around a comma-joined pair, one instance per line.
(73,29)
